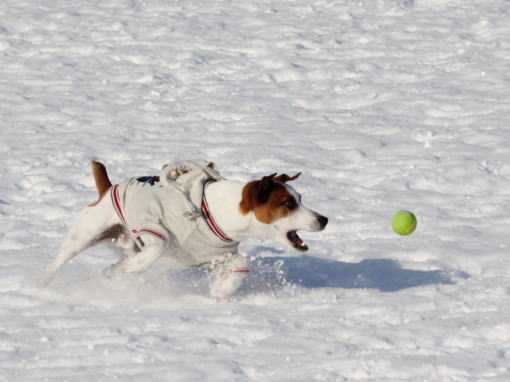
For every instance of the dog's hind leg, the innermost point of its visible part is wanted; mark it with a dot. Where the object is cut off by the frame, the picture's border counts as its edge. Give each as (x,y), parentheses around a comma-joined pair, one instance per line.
(152,250)
(123,243)
(91,226)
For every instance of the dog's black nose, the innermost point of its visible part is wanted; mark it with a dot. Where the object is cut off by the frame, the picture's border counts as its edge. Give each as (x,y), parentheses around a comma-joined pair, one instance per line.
(323,221)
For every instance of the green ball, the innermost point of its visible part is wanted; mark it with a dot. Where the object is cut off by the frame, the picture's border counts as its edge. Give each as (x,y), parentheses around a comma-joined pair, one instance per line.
(404,223)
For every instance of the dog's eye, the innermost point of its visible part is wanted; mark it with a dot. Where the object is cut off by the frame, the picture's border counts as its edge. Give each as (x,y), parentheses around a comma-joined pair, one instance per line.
(291,204)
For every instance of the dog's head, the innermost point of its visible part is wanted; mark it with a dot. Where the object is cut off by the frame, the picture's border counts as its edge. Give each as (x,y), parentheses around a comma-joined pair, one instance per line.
(278,209)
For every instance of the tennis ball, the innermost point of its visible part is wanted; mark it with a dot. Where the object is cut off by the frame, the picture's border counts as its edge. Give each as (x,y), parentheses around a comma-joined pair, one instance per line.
(403,223)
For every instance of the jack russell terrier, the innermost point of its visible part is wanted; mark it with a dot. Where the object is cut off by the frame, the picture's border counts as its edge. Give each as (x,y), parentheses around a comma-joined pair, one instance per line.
(188,216)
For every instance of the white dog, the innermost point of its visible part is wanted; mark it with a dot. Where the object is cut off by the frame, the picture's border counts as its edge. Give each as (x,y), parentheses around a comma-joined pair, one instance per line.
(190,216)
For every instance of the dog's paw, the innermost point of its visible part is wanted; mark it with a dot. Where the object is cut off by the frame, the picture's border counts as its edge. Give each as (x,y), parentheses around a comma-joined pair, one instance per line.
(112,270)
(225,284)
(136,264)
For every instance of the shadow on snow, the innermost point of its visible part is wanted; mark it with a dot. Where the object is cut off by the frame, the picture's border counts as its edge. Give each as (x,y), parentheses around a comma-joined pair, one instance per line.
(312,272)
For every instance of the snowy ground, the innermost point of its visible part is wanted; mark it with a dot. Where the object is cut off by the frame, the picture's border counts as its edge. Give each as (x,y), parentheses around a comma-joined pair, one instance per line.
(383,104)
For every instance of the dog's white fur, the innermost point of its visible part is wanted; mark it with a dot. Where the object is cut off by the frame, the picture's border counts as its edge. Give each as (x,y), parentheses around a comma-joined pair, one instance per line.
(100,222)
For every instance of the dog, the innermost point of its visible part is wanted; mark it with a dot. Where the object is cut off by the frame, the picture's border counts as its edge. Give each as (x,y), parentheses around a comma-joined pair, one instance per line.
(188,216)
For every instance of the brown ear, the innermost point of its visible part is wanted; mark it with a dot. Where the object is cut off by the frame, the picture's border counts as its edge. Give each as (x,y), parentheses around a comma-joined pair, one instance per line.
(269,177)
(249,197)
(284,178)
(264,189)
(257,192)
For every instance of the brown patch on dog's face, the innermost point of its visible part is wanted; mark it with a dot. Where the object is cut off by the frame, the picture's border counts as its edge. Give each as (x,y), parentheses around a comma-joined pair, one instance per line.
(268,199)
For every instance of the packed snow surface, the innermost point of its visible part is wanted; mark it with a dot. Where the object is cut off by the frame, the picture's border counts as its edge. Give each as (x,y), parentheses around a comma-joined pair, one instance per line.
(382,104)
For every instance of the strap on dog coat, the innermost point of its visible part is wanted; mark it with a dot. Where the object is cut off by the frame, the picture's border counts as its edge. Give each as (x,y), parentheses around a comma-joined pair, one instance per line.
(208,217)
(135,233)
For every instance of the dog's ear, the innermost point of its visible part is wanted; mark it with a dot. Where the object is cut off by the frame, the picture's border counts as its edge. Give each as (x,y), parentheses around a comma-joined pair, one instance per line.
(257,192)
(264,189)
(269,177)
(284,178)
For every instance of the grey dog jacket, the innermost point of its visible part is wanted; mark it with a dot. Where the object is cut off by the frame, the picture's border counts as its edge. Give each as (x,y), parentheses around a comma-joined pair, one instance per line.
(172,208)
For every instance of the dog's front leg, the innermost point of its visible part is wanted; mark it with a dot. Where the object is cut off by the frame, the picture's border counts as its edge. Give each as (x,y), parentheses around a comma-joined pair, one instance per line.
(152,250)
(226,275)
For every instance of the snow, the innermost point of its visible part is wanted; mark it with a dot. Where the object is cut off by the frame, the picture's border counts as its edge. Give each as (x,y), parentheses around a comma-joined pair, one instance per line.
(383,104)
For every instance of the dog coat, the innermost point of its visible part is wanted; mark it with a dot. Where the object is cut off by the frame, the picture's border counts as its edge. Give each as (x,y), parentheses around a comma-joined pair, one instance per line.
(172,208)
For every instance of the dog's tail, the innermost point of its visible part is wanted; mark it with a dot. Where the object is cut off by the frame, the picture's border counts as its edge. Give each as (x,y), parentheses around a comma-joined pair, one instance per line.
(103,183)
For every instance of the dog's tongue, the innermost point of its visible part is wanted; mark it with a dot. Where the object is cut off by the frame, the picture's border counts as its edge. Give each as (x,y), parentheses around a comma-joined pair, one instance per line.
(296,241)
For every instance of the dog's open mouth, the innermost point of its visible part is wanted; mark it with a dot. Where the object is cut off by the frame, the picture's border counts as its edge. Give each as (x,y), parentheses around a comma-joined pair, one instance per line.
(296,241)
